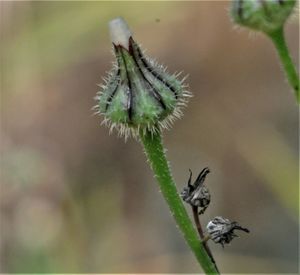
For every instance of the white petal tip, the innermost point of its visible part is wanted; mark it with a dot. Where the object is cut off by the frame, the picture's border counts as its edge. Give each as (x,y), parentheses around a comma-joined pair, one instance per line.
(119,32)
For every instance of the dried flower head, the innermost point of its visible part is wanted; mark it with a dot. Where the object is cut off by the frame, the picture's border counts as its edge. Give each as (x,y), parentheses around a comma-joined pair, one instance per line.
(262,15)
(221,230)
(138,94)
(197,194)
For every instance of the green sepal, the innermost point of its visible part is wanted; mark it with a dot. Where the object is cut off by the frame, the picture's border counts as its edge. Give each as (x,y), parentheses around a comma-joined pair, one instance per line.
(262,15)
(140,94)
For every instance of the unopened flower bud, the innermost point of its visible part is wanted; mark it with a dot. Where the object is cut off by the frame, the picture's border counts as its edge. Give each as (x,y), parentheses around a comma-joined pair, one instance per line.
(262,15)
(138,94)
(221,230)
(197,194)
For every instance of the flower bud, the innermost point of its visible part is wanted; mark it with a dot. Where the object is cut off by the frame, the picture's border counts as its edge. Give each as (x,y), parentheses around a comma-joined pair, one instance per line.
(262,15)
(221,230)
(138,94)
(197,194)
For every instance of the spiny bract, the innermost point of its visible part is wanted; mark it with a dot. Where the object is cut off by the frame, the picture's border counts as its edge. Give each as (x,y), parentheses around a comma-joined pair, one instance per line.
(138,94)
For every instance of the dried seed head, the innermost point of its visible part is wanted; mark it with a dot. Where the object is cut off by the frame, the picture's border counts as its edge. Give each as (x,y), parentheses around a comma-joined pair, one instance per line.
(139,94)
(221,230)
(262,15)
(197,194)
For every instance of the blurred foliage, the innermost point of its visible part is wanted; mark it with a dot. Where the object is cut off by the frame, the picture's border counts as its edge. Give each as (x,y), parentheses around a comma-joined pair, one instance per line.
(75,200)
(54,36)
(279,172)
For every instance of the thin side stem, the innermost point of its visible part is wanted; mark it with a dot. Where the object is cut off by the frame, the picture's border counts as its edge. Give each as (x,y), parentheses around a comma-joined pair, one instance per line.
(156,155)
(197,222)
(201,234)
(279,41)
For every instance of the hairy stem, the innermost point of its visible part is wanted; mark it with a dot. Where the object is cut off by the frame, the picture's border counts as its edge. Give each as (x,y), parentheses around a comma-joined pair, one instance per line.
(279,41)
(156,155)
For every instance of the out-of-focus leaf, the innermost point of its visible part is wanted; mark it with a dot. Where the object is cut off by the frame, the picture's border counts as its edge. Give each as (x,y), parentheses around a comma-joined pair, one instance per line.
(271,158)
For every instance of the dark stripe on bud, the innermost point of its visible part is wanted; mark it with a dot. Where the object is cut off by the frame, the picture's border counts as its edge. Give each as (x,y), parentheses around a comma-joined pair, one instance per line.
(130,94)
(153,91)
(151,70)
(118,81)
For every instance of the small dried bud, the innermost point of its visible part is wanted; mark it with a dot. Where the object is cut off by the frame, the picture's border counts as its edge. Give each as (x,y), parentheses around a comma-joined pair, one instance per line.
(221,230)
(262,15)
(197,194)
(139,94)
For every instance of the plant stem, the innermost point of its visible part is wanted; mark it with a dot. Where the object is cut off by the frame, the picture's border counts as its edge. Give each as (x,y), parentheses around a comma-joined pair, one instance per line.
(279,41)
(201,235)
(156,155)
(197,222)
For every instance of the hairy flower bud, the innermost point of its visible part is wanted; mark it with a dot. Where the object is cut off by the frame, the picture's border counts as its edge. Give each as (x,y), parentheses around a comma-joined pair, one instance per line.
(139,94)
(197,194)
(262,15)
(221,230)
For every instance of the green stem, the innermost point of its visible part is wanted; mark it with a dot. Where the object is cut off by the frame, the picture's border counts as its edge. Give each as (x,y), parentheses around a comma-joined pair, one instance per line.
(279,41)
(156,156)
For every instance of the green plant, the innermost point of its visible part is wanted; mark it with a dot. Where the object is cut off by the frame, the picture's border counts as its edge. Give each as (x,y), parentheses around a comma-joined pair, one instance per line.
(269,17)
(140,99)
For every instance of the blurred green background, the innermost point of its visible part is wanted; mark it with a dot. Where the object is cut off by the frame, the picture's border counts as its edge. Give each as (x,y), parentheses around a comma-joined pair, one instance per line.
(74,199)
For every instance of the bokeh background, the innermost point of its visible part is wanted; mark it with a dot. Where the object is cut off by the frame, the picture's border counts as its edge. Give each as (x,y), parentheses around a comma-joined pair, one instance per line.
(75,199)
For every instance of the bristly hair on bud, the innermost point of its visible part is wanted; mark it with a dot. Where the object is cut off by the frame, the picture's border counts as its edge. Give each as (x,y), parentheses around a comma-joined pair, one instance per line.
(138,95)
